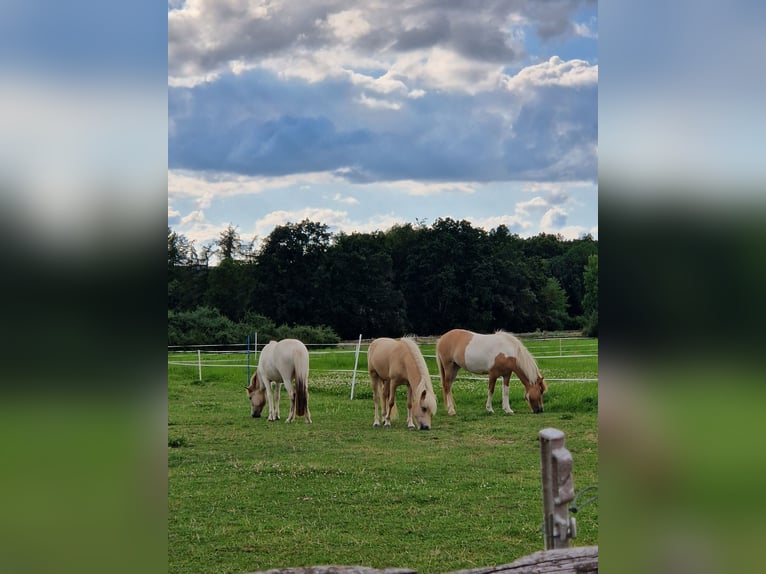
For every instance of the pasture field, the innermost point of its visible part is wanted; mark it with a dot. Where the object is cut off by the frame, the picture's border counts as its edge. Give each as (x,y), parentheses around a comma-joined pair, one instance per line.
(245,494)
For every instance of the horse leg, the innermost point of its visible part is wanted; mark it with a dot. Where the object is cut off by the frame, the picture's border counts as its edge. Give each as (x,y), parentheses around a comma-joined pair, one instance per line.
(278,393)
(410,423)
(391,396)
(291,394)
(490,392)
(270,400)
(448,377)
(376,400)
(506,394)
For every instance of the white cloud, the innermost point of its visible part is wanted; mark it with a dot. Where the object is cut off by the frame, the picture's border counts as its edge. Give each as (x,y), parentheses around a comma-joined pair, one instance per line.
(515,223)
(553,72)
(347,25)
(197,216)
(584,31)
(413,187)
(536,204)
(345,199)
(204,187)
(553,220)
(377,103)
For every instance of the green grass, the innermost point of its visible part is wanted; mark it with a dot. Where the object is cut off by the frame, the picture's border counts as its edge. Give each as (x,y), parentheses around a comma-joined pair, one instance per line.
(246,494)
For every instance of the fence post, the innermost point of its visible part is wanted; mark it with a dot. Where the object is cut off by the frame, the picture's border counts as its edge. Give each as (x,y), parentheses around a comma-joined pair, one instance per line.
(558,489)
(199,363)
(255,347)
(248,361)
(356,362)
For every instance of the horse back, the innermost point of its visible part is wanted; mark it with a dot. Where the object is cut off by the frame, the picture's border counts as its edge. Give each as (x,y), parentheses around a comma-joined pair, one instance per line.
(286,359)
(450,348)
(384,357)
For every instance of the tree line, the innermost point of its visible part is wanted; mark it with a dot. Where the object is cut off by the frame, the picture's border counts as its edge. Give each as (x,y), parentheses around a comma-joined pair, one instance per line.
(411,278)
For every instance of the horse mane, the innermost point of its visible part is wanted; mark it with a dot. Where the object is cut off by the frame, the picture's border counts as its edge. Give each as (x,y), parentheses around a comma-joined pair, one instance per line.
(524,358)
(425,376)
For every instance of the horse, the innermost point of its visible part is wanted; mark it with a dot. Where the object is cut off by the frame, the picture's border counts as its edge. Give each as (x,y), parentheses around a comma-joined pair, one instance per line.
(284,361)
(392,363)
(499,355)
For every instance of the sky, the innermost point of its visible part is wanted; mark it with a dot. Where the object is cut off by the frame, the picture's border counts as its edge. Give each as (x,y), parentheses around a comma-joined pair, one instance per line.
(366,114)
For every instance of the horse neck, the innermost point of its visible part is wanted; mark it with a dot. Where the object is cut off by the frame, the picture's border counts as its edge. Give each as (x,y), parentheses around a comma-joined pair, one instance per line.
(414,374)
(523,358)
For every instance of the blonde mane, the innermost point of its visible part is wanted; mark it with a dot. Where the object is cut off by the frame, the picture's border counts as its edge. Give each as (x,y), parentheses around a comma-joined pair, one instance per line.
(425,377)
(524,358)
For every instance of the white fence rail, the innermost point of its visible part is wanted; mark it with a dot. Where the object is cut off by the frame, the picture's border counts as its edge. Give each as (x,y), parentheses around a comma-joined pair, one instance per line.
(576,347)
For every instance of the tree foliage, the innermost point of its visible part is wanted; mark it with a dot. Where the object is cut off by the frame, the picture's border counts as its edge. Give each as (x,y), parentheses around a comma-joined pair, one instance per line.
(409,279)
(590,298)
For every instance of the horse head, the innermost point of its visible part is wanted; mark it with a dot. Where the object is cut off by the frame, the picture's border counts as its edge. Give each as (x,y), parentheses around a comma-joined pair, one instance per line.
(256,392)
(424,408)
(534,394)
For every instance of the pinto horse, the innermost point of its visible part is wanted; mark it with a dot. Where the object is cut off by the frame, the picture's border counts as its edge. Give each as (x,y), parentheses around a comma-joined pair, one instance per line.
(499,355)
(393,363)
(281,362)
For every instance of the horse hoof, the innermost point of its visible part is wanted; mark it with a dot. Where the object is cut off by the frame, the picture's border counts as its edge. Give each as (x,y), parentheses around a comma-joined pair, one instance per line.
(375,425)
(509,412)
(451,412)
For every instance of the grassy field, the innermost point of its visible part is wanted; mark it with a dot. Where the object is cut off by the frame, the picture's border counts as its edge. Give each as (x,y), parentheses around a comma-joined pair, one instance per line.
(246,494)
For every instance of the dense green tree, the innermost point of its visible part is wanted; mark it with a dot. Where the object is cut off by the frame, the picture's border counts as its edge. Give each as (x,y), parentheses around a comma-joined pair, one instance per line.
(554,300)
(229,243)
(590,299)
(292,276)
(567,269)
(410,278)
(363,296)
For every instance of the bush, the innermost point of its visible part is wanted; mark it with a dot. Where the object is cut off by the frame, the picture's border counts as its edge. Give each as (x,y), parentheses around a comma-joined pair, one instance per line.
(309,335)
(206,326)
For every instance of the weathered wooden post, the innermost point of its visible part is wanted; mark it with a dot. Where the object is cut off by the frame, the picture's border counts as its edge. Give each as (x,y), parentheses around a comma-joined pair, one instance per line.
(558,489)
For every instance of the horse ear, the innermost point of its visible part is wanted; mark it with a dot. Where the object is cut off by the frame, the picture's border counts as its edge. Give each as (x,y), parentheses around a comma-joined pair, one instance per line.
(543,385)
(423,395)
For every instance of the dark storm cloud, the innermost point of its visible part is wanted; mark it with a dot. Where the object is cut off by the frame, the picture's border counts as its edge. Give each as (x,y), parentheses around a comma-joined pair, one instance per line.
(235,125)
(206,40)
(432,32)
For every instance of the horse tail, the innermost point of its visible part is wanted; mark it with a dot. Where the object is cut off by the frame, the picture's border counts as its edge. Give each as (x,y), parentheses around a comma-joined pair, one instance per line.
(301,396)
(442,374)
(301,361)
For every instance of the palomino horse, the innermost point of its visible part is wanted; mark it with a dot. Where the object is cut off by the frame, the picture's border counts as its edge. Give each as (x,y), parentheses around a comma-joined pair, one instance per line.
(282,361)
(391,364)
(498,355)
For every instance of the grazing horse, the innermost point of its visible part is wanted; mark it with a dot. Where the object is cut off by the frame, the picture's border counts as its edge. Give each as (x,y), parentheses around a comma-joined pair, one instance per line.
(498,355)
(391,364)
(282,361)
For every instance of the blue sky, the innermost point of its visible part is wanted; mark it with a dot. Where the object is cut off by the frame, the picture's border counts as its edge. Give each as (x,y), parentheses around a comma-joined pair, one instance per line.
(364,114)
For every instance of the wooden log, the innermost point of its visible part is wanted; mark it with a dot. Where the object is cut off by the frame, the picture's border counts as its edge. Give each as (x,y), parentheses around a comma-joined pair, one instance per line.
(334,569)
(578,560)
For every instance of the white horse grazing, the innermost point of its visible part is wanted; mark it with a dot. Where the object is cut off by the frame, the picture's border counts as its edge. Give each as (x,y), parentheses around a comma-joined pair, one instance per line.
(284,361)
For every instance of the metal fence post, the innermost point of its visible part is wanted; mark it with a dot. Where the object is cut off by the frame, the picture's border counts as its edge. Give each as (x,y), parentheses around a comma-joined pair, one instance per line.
(558,489)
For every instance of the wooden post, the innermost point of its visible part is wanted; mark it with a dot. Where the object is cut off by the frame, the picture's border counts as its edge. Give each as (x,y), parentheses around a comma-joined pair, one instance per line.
(558,489)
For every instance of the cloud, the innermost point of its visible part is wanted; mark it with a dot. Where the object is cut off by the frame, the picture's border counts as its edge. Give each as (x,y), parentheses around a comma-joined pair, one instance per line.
(536,204)
(554,72)
(553,220)
(205,36)
(345,199)
(515,223)
(548,132)
(197,216)
(336,221)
